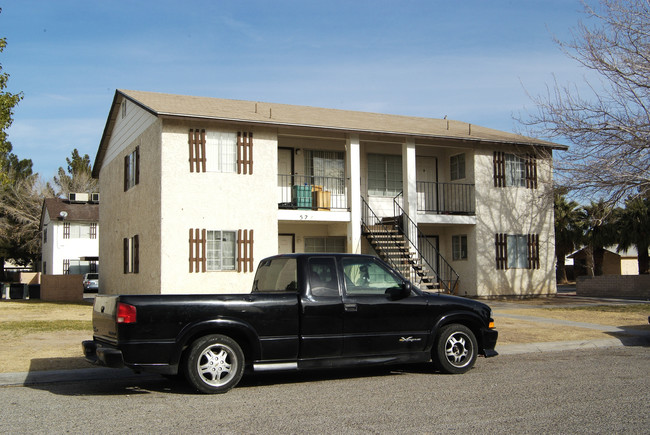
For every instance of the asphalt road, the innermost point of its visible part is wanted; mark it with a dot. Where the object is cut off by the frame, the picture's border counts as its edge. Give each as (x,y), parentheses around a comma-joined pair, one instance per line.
(589,391)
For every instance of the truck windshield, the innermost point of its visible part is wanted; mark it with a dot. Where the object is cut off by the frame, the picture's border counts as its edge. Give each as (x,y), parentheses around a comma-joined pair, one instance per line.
(276,275)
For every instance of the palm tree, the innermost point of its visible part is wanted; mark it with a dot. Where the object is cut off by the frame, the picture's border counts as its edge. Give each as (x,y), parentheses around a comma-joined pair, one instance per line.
(634,229)
(568,231)
(600,231)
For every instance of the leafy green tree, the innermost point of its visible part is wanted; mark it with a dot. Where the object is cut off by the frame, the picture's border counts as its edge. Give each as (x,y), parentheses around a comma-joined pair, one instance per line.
(633,227)
(77,178)
(568,231)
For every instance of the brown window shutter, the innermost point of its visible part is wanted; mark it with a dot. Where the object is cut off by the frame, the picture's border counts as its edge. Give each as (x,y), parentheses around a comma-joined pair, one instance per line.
(245,251)
(501,245)
(196,141)
(66,230)
(126,255)
(533,251)
(198,259)
(244,152)
(499,163)
(136,254)
(137,165)
(531,171)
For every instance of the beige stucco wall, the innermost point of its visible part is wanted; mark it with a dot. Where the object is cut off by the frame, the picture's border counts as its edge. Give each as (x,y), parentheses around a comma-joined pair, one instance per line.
(513,210)
(214,201)
(134,212)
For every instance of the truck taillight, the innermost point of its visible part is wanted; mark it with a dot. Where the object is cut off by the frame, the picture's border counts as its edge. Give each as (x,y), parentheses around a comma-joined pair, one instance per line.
(125,313)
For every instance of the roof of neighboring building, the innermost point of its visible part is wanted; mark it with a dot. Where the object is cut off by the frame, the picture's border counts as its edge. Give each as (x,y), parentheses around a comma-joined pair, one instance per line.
(76,212)
(160,104)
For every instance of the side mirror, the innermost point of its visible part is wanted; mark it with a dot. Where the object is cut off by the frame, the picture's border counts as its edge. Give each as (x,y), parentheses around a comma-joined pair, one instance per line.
(401,292)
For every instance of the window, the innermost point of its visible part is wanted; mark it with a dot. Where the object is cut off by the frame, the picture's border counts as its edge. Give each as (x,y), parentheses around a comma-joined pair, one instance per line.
(327,168)
(323,280)
(277,275)
(77,230)
(457,167)
(324,244)
(517,251)
(132,254)
(221,151)
(220,250)
(365,277)
(514,170)
(459,247)
(123,109)
(384,175)
(132,169)
(45,234)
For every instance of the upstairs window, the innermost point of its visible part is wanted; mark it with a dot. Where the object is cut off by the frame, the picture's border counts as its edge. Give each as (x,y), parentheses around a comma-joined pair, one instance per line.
(457,167)
(514,170)
(220,151)
(132,169)
(384,175)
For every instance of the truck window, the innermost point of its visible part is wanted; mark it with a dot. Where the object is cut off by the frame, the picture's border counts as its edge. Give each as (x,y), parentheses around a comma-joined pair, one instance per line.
(365,277)
(322,277)
(276,275)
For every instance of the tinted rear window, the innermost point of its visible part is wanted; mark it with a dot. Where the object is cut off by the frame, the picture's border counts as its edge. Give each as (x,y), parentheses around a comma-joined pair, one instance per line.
(276,275)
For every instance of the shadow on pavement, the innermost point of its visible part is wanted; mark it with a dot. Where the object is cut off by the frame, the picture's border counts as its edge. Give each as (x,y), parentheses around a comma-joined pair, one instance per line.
(633,335)
(124,382)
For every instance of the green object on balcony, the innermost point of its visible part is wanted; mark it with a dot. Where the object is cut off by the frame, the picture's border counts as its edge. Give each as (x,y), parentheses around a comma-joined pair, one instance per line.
(301,196)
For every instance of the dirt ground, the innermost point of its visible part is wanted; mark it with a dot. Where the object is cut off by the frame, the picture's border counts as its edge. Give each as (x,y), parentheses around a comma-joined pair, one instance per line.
(29,350)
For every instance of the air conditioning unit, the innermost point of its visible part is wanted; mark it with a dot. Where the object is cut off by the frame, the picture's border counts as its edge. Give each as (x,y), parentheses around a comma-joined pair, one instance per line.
(78,197)
(94,197)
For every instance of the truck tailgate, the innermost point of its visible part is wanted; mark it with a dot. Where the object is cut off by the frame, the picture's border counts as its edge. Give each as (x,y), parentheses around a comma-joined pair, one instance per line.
(104,326)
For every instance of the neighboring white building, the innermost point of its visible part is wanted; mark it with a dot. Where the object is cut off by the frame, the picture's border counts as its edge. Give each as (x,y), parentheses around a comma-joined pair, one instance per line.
(195,191)
(70,235)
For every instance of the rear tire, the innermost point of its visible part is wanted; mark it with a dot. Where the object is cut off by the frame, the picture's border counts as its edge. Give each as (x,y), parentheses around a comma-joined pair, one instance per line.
(214,364)
(455,350)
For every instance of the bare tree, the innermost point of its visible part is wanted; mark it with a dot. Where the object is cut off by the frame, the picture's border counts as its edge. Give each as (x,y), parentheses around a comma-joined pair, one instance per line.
(609,127)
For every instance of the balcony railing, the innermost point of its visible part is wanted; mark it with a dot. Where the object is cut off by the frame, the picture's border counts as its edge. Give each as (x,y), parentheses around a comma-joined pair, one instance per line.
(446,198)
(307,192)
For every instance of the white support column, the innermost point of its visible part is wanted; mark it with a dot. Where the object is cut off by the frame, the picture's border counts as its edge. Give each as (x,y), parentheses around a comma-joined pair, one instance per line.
(353,162)
(409,177)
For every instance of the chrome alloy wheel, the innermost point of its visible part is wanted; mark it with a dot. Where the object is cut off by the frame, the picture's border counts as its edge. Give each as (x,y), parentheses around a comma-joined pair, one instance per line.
(458,349)
(217,365)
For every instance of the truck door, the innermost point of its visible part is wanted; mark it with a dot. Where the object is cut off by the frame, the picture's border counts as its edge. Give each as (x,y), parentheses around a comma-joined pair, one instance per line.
(321,326)
(374,323)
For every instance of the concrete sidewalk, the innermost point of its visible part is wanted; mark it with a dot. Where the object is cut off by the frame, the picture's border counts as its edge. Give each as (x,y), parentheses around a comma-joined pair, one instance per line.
(631,338)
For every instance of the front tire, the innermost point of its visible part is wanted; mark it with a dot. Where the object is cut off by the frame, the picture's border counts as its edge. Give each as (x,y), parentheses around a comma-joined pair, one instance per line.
(215,364)
(456,349)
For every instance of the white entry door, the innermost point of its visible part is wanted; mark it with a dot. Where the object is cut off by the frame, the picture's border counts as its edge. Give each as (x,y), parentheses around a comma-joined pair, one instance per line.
(426,168)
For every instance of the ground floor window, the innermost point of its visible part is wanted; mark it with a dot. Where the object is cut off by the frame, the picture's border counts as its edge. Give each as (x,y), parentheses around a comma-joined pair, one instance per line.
(459,247)
(324,244)
(517,251)
(220,254)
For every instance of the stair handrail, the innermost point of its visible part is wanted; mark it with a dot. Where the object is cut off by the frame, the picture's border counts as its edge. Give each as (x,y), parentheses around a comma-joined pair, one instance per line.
(368,219)
(411,227)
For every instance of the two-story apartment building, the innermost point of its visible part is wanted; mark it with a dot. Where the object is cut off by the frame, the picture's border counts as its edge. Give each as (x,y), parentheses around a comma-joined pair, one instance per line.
(195,191)
(70,234)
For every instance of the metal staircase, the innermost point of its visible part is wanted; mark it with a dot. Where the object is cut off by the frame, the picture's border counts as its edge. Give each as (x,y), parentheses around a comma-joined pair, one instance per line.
(392,239)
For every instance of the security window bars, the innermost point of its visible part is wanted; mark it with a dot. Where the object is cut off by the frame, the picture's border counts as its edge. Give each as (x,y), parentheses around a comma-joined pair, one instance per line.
(384,174)
(220,250)
(220,151)
(216,250)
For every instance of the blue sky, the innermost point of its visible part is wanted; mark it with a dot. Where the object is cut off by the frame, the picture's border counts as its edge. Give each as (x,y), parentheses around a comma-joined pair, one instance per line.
(470,60)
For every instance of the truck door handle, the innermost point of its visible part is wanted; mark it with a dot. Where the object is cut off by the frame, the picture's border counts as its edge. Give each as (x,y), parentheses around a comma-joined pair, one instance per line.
(350,307)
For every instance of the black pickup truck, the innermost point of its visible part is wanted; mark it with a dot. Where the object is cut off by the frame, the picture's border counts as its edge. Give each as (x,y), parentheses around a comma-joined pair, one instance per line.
(305,311)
